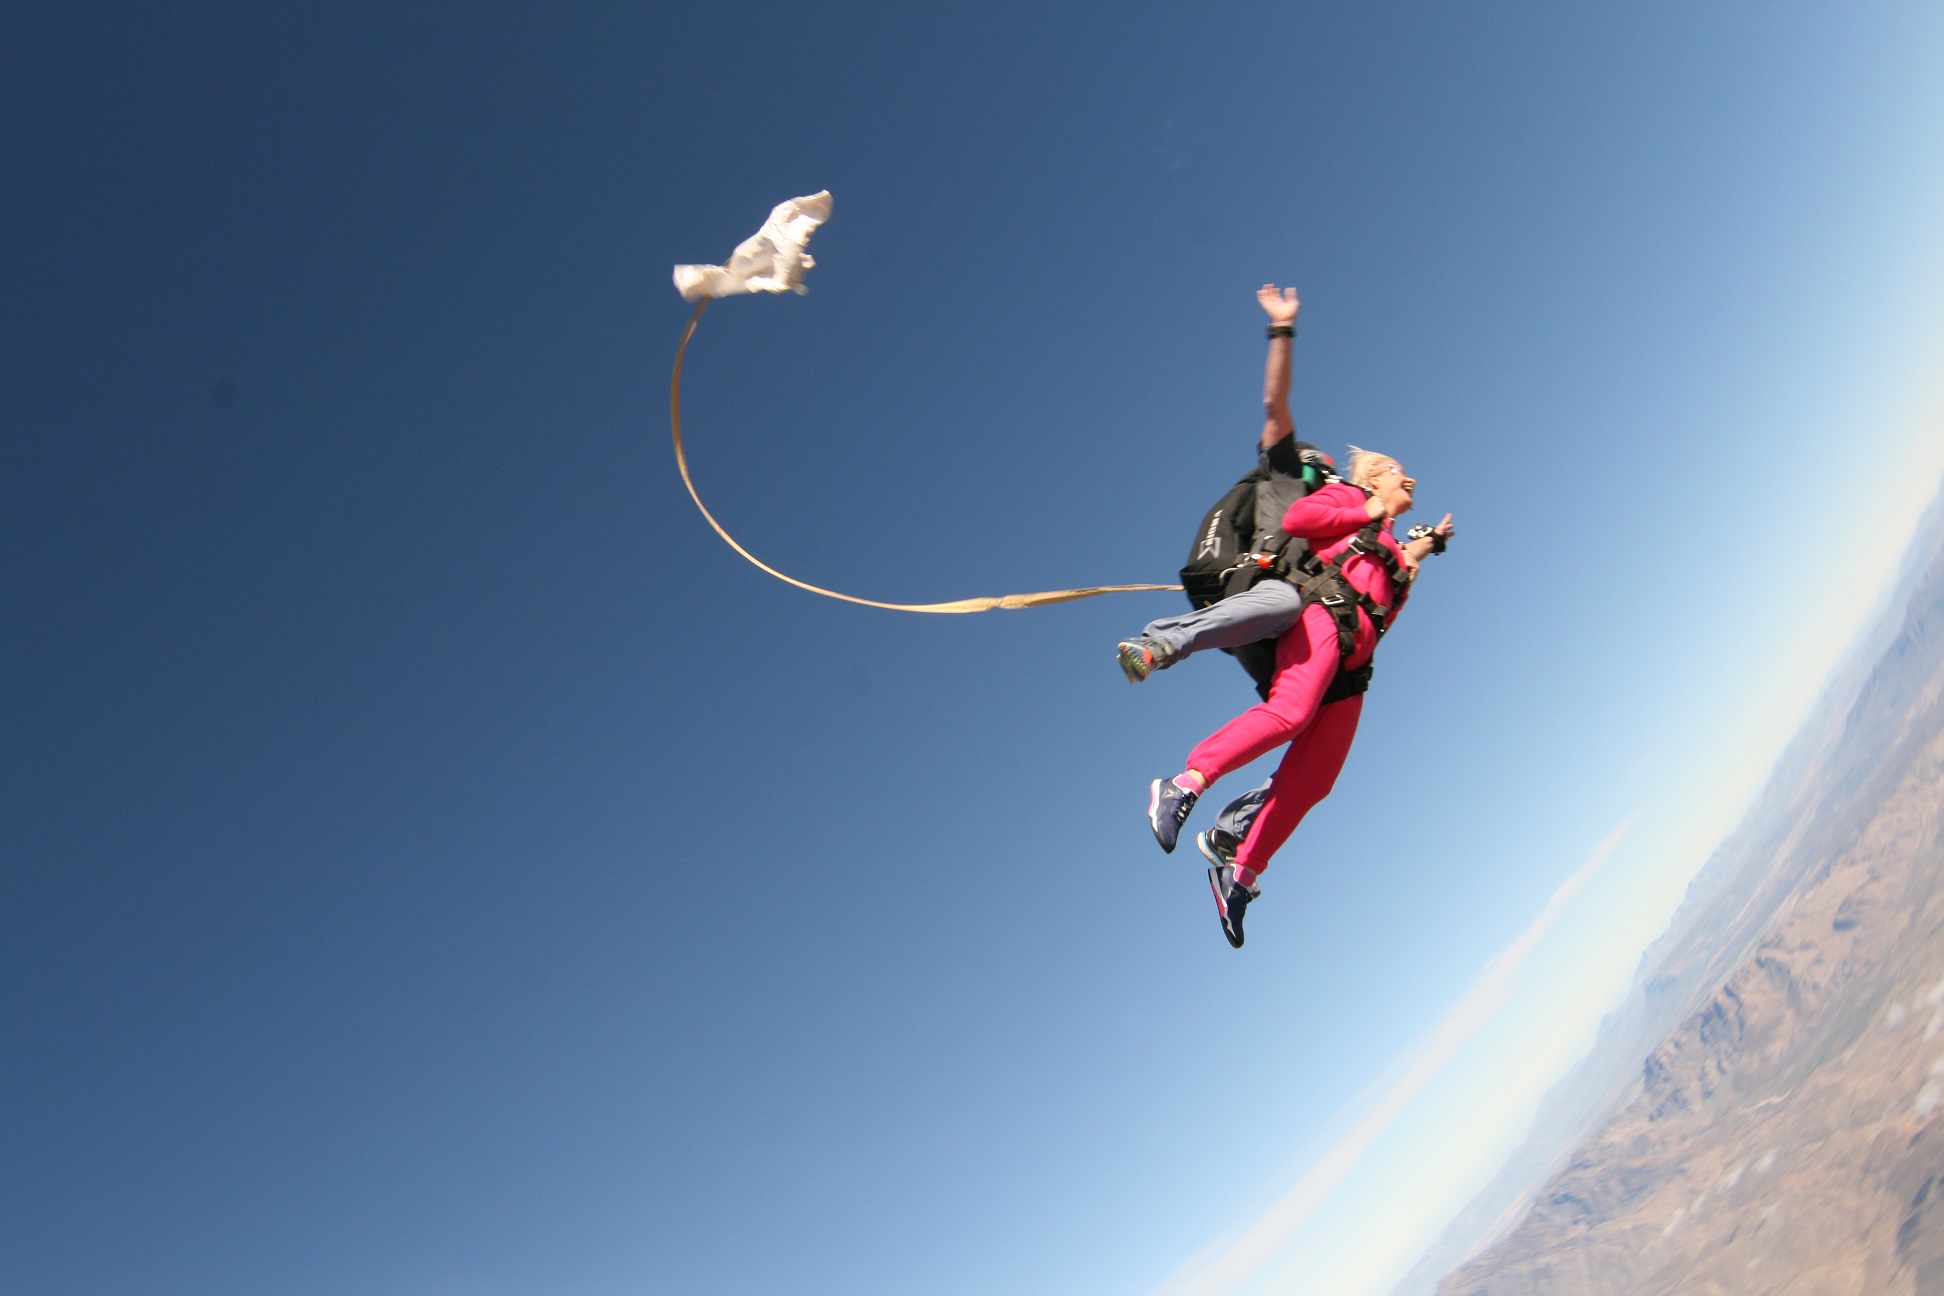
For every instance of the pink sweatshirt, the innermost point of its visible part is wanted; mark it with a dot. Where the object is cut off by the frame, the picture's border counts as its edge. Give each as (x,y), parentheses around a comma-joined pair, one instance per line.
(1328,519)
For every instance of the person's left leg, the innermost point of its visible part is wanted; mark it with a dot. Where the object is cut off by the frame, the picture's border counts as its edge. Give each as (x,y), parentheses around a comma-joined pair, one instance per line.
(1306,662)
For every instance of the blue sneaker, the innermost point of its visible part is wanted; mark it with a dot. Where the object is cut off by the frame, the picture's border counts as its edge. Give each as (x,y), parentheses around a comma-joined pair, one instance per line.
(1231,901)
(1168,807)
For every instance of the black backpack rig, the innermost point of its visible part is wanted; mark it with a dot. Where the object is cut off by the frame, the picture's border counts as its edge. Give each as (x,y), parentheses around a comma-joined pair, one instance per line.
(1241,541)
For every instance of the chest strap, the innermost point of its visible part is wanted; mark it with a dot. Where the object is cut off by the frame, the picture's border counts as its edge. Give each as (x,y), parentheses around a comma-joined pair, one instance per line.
(1325,585)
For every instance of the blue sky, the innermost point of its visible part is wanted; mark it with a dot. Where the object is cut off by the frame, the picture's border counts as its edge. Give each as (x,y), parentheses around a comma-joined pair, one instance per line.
(435,864)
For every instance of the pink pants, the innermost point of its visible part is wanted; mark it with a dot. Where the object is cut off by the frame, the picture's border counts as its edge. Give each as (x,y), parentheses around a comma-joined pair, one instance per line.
(1319,736)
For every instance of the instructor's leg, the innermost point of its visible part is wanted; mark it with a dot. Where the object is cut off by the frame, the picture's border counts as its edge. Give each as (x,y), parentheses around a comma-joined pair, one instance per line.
(1239,814)
(1232,825)
(1265,611)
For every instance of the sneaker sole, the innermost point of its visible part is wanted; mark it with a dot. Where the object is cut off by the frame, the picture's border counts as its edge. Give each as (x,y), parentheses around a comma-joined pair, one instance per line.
(1233,937)
(1216,889)
(1154,815)
(1131,664)
(1209,853)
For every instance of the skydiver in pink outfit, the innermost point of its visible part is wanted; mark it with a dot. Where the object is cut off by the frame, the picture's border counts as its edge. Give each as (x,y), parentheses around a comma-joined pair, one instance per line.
(1353,585)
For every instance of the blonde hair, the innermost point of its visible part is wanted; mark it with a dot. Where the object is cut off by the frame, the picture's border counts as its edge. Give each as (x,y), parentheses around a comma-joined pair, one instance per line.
(1366,464)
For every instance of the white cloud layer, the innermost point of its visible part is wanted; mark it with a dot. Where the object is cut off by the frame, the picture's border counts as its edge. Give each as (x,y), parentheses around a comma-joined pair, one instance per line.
(1243,1259)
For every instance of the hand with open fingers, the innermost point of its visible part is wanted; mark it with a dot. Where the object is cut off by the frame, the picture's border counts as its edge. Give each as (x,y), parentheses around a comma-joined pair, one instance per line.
(1428,540)
(1279,304)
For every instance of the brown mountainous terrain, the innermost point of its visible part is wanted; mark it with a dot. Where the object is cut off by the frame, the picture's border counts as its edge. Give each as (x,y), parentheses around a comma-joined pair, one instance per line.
(1785,1136)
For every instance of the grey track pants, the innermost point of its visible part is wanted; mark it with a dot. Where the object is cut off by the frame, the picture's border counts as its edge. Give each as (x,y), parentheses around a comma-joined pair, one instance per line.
(1238,814)
(1262,612)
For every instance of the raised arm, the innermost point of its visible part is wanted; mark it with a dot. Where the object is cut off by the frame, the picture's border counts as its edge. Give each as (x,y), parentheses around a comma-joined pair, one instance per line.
(1280,305)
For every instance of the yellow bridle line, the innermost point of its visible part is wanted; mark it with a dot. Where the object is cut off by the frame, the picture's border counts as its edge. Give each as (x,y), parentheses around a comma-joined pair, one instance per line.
(958,605)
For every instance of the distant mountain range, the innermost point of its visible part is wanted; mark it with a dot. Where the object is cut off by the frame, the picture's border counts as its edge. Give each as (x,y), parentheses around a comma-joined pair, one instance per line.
(1756,1117)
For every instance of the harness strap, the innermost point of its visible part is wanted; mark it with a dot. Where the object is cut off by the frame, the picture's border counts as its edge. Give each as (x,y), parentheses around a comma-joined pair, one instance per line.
(1325,585)
(1349,683)
(1329,588)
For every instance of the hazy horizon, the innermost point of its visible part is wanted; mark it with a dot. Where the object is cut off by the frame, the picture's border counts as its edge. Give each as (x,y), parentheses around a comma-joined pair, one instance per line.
(436,862)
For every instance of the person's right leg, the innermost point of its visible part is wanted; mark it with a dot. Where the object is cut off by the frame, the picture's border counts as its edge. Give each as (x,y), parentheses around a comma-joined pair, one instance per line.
(1308,771)
(1265,611)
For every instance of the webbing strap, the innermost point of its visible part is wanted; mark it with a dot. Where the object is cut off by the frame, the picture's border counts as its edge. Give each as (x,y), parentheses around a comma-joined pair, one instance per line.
(1329,587)
(958,605)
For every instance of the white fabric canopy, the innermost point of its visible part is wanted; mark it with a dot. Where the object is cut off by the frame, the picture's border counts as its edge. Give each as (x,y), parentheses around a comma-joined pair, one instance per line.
(773,259)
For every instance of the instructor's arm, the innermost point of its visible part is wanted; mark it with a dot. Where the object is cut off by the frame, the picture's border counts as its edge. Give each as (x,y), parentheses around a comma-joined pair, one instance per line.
(1280,305)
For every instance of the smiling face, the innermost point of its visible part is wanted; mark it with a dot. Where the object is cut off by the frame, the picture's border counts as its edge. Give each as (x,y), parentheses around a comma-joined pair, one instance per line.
(1393,487)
